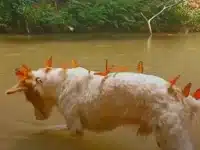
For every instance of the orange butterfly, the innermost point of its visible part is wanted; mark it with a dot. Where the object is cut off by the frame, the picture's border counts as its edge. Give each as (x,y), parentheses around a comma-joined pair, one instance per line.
(186,90)
(22,72)
(26,68)
(173,81)
(111,69)
(74,63)
(48,64)
(104,73)
(140,67)
(19,74)
(196,94)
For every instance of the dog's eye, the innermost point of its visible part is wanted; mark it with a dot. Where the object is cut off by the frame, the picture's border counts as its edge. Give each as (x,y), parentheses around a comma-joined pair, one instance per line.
(38,80)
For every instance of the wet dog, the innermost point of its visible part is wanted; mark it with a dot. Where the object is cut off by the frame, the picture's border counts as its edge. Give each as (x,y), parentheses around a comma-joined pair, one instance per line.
(102,103)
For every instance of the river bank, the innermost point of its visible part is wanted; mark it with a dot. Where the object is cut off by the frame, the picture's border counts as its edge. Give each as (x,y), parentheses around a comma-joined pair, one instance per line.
(88,16)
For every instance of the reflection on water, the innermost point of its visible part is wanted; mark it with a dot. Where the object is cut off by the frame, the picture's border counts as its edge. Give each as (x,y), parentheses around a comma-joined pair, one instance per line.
(62,141)
(163,55)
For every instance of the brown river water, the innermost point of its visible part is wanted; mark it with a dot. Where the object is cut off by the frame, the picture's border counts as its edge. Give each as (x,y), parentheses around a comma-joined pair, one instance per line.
(163,55)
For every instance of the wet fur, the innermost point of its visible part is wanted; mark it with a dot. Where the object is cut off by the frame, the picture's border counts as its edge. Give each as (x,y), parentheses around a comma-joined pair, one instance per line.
(101,103)
(86,104)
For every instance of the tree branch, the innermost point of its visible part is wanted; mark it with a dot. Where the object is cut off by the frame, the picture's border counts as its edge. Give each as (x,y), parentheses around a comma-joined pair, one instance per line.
(56,5)
(149,41)
(27,27)
(154,16)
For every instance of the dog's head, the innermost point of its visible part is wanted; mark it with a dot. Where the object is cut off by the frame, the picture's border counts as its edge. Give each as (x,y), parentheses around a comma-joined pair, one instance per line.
(39,88)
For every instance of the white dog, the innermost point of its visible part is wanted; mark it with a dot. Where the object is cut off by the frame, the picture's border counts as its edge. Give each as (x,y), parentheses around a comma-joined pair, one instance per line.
(101,103)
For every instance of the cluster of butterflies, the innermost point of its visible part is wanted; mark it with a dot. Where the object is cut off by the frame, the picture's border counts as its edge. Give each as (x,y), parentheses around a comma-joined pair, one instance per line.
(24,73)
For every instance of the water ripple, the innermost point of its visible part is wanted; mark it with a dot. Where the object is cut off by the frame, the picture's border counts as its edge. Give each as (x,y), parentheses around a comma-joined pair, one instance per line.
(12,54)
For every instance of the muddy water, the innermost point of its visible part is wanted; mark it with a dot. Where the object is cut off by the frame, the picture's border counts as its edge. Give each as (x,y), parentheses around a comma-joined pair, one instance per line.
(163,55)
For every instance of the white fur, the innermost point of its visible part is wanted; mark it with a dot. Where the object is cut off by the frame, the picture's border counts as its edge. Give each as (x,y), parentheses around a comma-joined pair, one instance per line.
(101,103)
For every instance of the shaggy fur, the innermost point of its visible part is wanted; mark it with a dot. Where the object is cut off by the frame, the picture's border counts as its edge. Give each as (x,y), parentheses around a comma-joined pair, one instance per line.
(100,104)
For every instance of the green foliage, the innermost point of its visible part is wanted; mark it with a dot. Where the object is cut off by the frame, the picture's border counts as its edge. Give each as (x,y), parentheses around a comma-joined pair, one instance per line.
(93,15)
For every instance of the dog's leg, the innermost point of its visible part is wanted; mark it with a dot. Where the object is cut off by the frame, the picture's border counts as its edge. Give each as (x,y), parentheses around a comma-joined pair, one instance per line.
(171,134)
(74,125)
(144,129)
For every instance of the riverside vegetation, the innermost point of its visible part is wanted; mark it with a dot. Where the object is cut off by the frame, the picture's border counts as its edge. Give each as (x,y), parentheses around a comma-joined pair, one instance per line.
(59,16)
